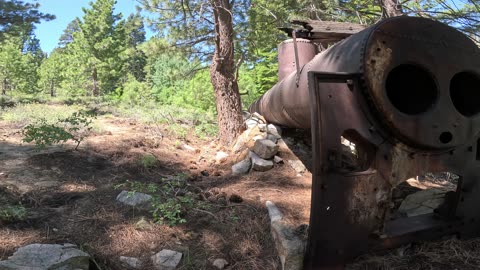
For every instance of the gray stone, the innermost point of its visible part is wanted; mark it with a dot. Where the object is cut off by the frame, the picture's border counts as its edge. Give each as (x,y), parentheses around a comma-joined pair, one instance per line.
(422,202)
(220,263)
(131,262)
(47,257)
(297,165)
(242,167)
(274,130)
(277,159)
(258,137)
(262,127)
(265,149)
(251,123)
(166,259)
(137,199)
(260,164)
(289,245)
(273,138)
(221,156)
(188,148)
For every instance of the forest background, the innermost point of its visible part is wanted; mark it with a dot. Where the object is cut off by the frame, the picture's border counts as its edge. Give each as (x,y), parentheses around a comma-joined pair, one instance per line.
(104,56)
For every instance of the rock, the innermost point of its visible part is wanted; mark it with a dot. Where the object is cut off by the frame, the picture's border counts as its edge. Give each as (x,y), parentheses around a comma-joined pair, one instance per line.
(48,257)
(260,164)
(143,225)
(188,148)
(273,138)
(235,198)
(221,157)
(136,199)
(289,245)
(242,167)
(422,202)
(297,165)
(166,259)
(258,137)
(245,140)
(131,262)
(220,263)
(277,159)
(274,130)
(251,123)
(262,127)
(265,148)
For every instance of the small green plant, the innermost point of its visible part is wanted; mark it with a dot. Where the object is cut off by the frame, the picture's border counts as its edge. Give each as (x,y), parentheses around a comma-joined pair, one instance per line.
(234,217)
(148,161)
(75,127)
(13,212)
(170,200)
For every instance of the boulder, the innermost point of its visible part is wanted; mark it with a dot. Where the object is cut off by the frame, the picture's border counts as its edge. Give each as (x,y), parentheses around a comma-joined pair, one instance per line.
(265,149)
(422,202)
(245,140)
(260,164)
(297,165)
(220,263)
(274,130)
(289,245)
(166,259)
(47,257)
(136,199)
(131,262)
(242,167)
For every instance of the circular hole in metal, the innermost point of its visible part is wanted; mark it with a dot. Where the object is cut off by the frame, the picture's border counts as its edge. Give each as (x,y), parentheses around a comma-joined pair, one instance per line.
(445,137)
(465,93)
(411,89)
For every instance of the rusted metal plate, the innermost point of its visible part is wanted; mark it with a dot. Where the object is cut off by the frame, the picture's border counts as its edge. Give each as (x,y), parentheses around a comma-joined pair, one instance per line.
(405,93)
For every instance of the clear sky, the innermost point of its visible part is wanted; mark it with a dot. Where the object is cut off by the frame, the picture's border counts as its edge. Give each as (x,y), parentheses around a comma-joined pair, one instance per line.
(66,11)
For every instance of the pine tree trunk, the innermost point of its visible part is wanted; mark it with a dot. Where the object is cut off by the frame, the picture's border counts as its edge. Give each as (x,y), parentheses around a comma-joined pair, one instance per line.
(222,74)
(391,8)
(95,91)
(52,90)
(4,87)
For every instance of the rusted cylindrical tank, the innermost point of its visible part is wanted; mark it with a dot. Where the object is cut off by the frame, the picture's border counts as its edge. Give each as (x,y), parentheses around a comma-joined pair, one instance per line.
(421,77)
(286,55)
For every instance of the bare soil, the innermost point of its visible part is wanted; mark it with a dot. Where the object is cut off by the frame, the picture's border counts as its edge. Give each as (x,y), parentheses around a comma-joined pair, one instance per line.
(70,197)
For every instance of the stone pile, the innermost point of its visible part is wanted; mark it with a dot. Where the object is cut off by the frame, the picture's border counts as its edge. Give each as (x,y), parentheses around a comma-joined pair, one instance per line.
(259,146)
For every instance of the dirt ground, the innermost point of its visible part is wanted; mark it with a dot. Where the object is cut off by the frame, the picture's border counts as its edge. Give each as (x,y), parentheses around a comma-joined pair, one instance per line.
(70,197)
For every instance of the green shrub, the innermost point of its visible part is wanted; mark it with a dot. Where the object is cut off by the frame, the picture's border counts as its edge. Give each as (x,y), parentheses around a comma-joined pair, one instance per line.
(12,213)
(170,200)
(148,161)
(74,127)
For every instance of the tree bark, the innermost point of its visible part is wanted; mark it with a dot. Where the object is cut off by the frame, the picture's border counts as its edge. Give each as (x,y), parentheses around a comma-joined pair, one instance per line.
(52,88)
(95,91)
(4,87)
(222,75)
(391,8)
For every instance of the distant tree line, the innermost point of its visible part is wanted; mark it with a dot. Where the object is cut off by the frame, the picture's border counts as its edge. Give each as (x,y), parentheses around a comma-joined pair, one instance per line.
(212,55)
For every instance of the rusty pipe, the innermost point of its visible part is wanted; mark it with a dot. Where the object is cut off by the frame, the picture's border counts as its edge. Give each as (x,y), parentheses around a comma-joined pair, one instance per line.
(414,72)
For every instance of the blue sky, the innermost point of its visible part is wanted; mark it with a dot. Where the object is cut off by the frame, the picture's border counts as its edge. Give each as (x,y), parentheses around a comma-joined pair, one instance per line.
(66,11)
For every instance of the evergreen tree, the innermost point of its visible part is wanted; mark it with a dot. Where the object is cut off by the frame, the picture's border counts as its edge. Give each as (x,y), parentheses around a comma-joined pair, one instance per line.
(136,60)
(50,73)
(19,17)
(101,42)
(67,35)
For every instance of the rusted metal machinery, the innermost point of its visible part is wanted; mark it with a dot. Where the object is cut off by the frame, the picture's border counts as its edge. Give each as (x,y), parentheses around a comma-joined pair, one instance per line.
(406,92)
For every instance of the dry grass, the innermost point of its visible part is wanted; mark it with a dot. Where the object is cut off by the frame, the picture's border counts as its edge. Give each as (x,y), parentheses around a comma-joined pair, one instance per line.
(447,254)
